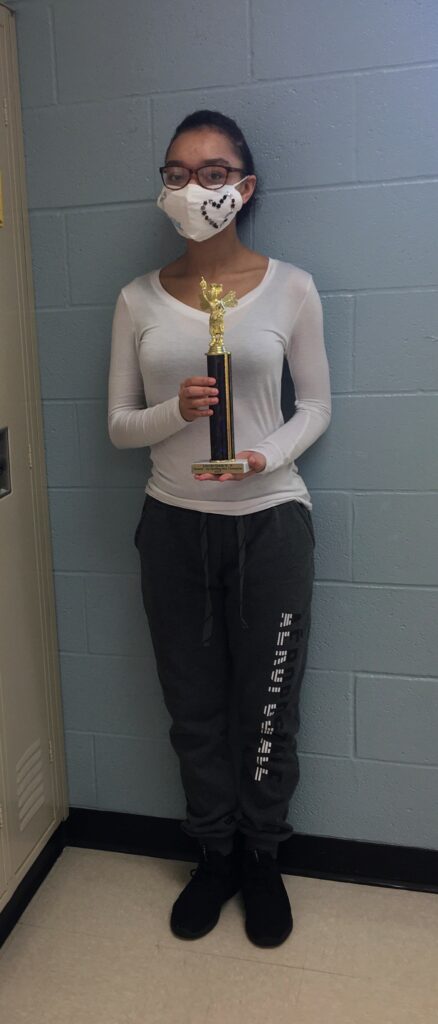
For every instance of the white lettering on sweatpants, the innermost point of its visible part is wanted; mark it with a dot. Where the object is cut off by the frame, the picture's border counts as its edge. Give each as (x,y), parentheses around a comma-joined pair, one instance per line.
(264,748)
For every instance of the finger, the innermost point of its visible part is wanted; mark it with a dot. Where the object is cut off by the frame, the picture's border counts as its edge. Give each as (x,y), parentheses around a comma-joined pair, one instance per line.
(189,413)
(199,403)
(193,392)
(202,412)
(199,381)
(236,476)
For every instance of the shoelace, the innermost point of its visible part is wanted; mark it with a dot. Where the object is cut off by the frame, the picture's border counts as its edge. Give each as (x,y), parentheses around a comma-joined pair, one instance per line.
(262,873)
(207,869)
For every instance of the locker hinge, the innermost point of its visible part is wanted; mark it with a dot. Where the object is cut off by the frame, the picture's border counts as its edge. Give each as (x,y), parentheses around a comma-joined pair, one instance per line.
(29,455)
(50,752)
(5,110)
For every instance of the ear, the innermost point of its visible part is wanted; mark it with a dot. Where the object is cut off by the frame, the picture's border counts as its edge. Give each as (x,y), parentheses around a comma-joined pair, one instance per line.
(247,187)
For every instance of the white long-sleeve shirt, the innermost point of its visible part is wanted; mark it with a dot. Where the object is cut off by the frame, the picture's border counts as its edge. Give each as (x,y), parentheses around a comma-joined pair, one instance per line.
(158,341)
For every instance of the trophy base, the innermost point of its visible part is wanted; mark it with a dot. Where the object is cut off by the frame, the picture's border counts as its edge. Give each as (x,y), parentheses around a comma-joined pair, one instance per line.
(219,466)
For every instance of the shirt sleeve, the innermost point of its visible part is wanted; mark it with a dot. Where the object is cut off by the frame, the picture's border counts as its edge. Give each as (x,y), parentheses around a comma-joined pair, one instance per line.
(130,423)
(307,360)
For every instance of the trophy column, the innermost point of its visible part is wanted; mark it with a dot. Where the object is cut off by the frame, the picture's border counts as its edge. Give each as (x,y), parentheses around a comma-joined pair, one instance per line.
(221,422)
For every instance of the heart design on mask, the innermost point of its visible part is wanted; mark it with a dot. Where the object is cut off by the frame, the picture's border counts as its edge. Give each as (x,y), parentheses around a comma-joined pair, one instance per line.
(219,206)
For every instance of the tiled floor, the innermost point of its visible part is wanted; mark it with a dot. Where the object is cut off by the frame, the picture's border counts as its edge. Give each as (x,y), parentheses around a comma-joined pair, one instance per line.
(94,947)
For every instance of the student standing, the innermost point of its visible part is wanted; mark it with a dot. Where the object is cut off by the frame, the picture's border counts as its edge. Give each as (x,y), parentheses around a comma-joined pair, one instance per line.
(227,563)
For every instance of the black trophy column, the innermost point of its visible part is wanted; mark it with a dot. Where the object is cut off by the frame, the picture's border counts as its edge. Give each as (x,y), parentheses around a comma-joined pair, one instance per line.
(221,422)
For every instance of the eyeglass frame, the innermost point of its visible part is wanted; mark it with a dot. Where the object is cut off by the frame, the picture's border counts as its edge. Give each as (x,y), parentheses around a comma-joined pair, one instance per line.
(194,170)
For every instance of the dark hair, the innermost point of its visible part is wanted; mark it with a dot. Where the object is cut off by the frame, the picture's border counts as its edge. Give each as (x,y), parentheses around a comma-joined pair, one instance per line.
(229,128)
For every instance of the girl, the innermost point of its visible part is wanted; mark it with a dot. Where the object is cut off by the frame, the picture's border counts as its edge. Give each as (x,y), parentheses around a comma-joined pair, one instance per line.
(227,562)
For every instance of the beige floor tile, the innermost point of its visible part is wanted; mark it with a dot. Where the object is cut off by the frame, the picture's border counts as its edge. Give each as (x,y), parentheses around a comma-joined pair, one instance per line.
(56,976)
(98,890)
(244,992)
(335,999)
(71,978)
(372,931)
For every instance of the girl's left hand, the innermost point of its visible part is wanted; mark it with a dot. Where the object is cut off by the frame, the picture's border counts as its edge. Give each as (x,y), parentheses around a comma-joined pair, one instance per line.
(256,460)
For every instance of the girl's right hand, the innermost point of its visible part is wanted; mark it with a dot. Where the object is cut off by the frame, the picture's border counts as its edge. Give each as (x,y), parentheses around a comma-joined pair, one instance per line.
(196,394)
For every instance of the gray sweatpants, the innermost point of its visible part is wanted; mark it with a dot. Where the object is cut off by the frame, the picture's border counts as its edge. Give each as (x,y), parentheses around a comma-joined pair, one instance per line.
(228,603)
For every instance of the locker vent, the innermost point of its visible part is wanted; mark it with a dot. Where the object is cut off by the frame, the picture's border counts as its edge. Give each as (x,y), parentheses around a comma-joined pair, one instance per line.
(30,784)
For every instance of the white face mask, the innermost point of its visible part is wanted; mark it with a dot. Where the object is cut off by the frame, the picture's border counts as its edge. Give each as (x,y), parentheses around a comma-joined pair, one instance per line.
(197,212)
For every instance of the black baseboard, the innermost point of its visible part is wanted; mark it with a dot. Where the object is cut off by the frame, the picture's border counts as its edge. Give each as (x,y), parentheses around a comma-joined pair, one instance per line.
(342,860)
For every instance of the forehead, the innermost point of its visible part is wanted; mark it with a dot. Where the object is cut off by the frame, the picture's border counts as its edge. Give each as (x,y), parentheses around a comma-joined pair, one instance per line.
(201,144)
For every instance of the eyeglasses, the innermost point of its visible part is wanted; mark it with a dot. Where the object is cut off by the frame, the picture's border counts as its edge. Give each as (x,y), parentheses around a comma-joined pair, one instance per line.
(209,176)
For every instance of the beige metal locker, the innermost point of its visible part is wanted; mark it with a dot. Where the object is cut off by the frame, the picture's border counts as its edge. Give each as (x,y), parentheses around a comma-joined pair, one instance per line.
(33,785)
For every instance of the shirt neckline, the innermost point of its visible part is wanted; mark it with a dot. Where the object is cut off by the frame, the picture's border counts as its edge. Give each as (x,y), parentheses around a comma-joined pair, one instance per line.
(199,313)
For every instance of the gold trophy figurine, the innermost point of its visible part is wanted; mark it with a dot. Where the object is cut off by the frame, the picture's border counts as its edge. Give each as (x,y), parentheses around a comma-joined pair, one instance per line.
(211,299)
(219,366)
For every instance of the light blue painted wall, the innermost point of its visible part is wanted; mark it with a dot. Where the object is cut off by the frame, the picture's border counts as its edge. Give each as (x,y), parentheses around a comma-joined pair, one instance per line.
(339,104)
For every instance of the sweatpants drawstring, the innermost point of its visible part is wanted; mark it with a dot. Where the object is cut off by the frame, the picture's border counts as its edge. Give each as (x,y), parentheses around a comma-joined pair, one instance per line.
(241,538)
(208,609)
(208,612)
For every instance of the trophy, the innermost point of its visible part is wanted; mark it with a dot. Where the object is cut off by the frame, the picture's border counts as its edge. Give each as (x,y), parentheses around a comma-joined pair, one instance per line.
(219,366)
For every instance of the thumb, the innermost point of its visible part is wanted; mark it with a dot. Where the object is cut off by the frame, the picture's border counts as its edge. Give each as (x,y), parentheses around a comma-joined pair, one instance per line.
(254,460)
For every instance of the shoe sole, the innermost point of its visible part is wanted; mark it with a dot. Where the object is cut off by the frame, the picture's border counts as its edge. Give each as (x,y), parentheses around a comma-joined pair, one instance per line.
(266,943)
(182,934)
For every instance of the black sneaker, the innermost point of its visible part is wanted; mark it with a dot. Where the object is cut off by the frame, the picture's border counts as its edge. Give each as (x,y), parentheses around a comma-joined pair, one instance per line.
(197,909)
(268,911)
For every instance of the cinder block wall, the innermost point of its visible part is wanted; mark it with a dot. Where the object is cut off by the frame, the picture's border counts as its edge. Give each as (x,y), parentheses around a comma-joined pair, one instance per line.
(339,105)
